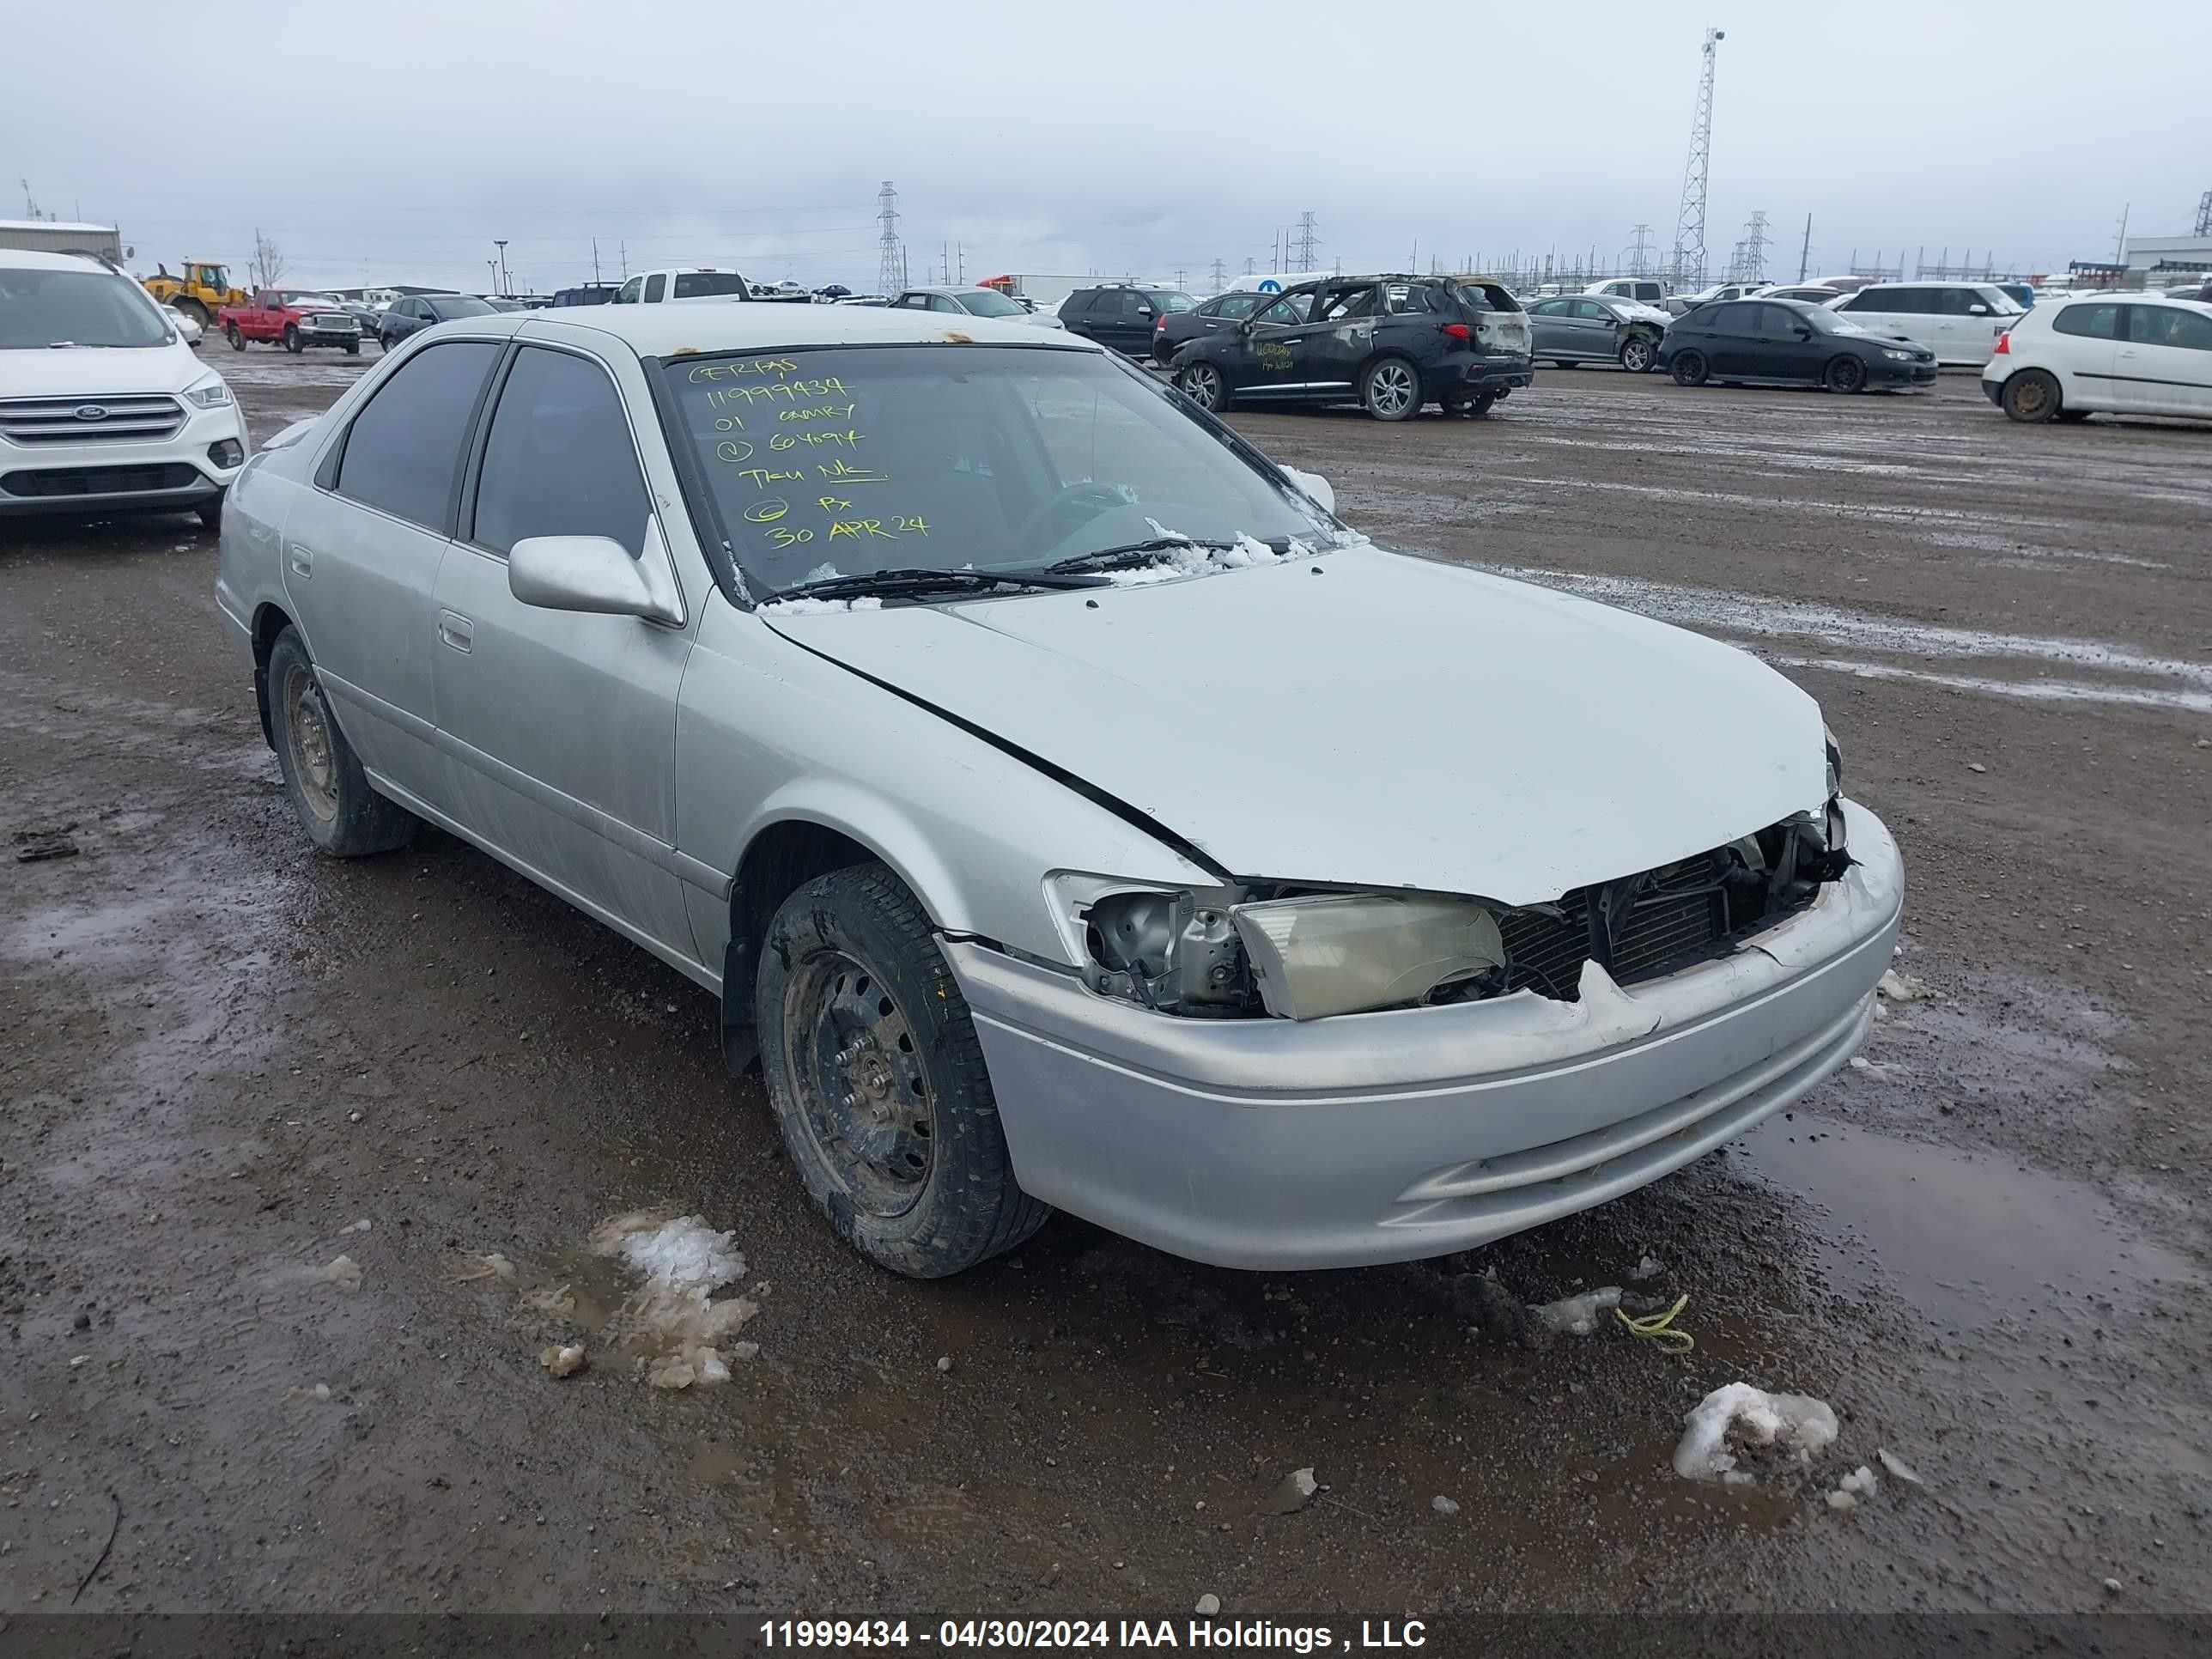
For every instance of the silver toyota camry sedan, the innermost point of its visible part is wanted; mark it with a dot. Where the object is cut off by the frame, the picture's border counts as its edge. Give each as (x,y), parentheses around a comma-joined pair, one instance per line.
(1068,808)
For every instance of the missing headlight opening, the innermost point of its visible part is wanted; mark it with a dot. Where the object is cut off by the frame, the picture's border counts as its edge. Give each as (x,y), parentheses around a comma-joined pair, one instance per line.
(1302,953)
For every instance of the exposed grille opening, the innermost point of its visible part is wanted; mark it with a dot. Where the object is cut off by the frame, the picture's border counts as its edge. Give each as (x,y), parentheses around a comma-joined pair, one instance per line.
(101,480)
(1645,926)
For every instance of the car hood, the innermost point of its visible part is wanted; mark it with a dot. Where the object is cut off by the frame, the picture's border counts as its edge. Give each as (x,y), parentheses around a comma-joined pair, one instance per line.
(1362,717)
(100,371)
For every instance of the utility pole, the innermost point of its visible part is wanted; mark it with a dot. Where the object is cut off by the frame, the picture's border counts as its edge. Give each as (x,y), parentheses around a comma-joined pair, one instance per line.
(500,242)
(944,263)
(890,264)
(624,248)
(1308,237)
(595,262)
(1805,253)
(960,252)
(2120,246)
(1690,222)
(1248,265)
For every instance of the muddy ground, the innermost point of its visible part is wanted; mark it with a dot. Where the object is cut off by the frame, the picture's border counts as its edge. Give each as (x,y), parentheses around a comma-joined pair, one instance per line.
(1987,1247)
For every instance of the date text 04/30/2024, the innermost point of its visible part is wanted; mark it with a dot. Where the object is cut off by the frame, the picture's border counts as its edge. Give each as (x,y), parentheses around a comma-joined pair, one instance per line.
(978,1635)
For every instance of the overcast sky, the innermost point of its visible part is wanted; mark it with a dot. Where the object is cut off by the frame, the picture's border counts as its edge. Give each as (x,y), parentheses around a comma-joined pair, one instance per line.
(395,142)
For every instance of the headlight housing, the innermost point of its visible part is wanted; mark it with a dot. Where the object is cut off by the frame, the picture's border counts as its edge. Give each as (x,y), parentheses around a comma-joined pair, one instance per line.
(1895,356)
(1339,953)
(210,393)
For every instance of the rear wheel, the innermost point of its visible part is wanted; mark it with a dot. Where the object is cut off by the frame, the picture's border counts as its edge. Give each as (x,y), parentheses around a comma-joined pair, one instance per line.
(341,813)
(1202,383)
(1477,406)
(1637,353)
(1690,368)
(877,1080)
(1391,389)
(292,341)
(2032,396)
(1844,375)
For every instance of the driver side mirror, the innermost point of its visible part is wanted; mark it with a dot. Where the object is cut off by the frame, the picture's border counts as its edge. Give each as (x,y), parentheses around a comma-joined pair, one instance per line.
(1803,331)
(594,575)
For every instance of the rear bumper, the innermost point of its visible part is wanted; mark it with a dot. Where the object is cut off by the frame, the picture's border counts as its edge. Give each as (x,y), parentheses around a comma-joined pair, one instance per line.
(1390,1137)
(1493,373)
(1993,390)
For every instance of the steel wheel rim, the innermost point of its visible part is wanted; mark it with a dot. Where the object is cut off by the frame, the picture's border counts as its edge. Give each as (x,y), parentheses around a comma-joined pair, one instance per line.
(1391,387)
(862,1095)
(2031,399)
(307,728)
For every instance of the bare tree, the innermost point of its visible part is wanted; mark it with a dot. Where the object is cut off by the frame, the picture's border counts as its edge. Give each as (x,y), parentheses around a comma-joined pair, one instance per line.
(268,267)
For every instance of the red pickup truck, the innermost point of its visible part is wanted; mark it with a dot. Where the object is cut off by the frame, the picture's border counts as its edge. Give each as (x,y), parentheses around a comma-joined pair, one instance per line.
(293,317)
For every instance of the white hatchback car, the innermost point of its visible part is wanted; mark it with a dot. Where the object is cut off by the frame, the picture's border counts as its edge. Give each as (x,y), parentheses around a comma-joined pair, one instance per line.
(1960,322)
(2137,353)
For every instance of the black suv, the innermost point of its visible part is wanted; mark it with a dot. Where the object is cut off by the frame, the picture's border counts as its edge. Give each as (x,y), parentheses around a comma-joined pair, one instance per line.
(1395,343)
(1122,314)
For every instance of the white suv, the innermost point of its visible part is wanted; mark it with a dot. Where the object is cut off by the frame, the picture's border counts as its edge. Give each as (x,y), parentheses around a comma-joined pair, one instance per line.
(102,404)
(1960,322)
(653,288)
(2120,353)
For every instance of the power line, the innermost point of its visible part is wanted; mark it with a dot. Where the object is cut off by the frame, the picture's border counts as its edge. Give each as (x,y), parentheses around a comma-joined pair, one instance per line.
(1690,222)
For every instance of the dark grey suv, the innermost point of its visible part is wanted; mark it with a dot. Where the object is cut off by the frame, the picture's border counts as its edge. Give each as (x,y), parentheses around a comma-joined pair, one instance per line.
(1122,314)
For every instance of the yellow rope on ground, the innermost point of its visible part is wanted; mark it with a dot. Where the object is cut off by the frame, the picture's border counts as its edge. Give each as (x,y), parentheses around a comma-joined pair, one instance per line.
(1659,1327)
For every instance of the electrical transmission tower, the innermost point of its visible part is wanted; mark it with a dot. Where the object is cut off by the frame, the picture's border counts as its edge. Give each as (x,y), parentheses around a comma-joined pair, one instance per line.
(1637,256)
(891,272)
(1690,224)
(2205,215)
(1308,239)
(1220,276)
(1747,262)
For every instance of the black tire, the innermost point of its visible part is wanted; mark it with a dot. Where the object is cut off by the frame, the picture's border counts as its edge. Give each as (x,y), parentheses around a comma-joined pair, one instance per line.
(1690,368)
(1205,384)
(1844,375)
(1474,408)
(2072,415)
(341,813)
(353,348)
(196,311)
(1390,389)
(211,514)
(2032,396)
(896,1133)
(292,340)
(1638,353)
(237,340)
(1561,362)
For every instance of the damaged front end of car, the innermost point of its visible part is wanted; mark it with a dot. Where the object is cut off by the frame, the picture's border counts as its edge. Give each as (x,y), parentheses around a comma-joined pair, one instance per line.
(1287,951)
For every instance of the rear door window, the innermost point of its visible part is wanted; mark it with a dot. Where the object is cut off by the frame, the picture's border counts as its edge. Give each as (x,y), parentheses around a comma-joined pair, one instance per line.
(560,460)
(404,450)
(2099,322)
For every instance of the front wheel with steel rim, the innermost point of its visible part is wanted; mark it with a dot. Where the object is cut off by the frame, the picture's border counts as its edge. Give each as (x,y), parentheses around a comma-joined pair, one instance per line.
(1690,368)
(1391,389)
(1844,375)
(1637,352)
(2031,396)
(877,1080)
(1203,385)
(341,813)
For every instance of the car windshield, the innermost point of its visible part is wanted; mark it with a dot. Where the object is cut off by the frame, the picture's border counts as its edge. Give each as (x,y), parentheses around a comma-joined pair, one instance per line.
(41,308)
(831,461)
(1826,321)
(462,305)
(989,303)
(307,296)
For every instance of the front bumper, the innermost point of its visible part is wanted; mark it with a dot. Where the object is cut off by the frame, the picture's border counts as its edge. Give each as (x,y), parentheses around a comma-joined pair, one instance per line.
(175,473)
(1395,1136)
(330,337)
(1897,375)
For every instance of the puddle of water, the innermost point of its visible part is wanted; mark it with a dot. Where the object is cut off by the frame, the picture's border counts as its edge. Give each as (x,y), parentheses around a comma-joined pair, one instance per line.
(1968,1239)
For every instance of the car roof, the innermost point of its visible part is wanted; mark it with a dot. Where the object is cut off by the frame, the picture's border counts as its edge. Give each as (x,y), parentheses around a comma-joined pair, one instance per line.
(659,332)
(24,259)
(952,288)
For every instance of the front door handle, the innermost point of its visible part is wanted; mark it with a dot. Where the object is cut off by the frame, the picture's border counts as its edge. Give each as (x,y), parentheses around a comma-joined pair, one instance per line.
(301,560)
(456,630)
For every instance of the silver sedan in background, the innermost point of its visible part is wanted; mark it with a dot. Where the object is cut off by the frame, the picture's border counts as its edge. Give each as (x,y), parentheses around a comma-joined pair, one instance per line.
(1586,328)
(1068,809)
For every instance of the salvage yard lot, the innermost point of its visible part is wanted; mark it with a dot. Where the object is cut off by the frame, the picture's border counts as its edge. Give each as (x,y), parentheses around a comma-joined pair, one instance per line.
(219,1054)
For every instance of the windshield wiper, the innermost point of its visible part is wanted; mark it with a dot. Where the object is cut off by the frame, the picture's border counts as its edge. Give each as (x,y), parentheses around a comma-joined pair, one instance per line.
(890,584)
(1131,554)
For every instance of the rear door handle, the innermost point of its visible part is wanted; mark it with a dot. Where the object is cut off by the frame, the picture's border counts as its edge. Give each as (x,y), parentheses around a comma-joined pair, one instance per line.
(456,630)
(301,560)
